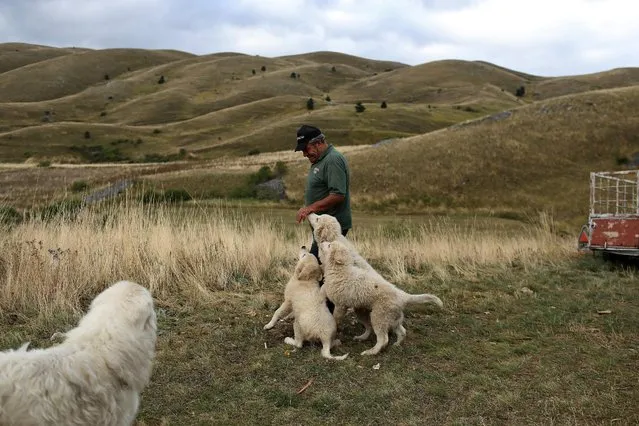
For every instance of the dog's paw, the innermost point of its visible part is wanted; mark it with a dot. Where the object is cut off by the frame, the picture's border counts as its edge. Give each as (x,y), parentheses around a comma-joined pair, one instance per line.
(371,351)
(290,341)
(268,326)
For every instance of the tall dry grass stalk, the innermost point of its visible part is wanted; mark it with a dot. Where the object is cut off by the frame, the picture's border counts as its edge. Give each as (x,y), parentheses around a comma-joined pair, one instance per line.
(46,267)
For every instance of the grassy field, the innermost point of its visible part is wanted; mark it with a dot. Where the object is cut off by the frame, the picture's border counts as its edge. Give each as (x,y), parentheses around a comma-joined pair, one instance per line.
(520,340)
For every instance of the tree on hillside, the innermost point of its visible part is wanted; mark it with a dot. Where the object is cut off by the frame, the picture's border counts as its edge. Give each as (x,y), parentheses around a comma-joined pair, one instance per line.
(293,75)
(333,69)
(263,68)
(310,104)
(521,91)
(161,80)
(328,98)
(383,104)
(359,107)
(253,71)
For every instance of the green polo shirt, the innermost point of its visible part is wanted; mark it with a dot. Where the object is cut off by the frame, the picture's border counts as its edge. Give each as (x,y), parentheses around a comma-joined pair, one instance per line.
(330,175)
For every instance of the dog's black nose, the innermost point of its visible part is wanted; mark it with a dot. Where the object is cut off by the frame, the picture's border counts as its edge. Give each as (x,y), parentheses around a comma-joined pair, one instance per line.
(303,247)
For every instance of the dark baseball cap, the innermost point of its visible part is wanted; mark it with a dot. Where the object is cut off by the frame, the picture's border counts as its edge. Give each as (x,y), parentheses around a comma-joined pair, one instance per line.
(306,134)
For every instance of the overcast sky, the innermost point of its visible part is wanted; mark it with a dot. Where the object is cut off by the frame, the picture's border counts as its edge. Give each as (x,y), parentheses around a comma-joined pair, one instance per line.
(543,37)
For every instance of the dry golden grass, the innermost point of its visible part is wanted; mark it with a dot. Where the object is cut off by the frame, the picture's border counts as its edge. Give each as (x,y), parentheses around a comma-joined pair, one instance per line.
(224,104)
(537,159)
(550,88)
(78,71)
(438,82)
(53,266)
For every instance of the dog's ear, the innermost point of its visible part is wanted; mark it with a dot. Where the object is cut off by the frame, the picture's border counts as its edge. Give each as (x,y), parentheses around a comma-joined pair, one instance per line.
(340,254)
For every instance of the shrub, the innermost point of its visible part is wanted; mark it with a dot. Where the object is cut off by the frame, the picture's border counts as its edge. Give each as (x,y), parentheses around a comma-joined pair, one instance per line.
(263,68)
(328,98)
(384,104)
(182,152)
(99,154)
(79,186)
(67,208)
(103,114)
(152,196)
(261,176)
(293,75)
(87,135)
(9,215)
(310,104)
(156,131)
(44,163)
(359,107)
(106,76)
(280,169)
(176,195)
(253,71)
(161,80)
(333,69)
(254,151)
(521,91)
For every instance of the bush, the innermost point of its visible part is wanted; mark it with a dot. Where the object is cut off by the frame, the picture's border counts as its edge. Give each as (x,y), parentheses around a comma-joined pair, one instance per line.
(99,154)
(87,135)
(103,114)
(161,80)
(359,107)
(384,104)
(44,163)
(9,215)
(280,169)
(176,195)
(106,76)
(253,71)
(310,104)
(333,69)
(521,91)
(293,75)
(263,68)
(79,186)
(156,131)
(66,208)
(327,98)
(254,151)
(261,176)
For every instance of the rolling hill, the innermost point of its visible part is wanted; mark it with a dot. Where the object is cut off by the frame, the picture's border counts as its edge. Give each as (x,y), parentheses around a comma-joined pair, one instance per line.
(454,134)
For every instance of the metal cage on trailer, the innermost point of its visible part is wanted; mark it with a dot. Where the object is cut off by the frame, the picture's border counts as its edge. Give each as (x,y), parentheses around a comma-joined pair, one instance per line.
(613,219)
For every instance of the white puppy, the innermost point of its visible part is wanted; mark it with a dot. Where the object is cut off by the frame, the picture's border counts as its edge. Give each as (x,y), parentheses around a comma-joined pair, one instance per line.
(95,376)
(349,285)
(302,297)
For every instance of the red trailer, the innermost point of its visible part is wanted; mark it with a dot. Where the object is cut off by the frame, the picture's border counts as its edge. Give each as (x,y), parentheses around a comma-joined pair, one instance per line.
(613,220)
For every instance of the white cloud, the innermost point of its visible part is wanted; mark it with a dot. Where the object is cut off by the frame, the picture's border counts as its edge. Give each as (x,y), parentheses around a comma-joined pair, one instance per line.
(546,37)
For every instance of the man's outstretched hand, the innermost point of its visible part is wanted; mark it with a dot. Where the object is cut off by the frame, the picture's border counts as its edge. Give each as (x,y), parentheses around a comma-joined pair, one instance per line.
(303,213)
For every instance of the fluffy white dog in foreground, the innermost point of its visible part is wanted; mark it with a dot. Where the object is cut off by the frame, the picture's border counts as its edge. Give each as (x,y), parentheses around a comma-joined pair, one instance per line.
(302,297)
(349,285)
(95,376)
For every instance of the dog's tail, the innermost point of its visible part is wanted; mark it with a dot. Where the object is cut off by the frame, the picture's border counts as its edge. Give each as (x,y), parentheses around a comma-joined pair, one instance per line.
(327,354)
(422,298)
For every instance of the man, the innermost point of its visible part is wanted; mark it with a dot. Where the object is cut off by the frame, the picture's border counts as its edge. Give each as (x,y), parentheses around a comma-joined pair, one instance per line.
(328,181)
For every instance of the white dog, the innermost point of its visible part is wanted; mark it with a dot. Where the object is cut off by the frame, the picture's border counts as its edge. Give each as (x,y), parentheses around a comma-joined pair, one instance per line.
(349,285)
(302,297)
(95,376)
(326,228)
